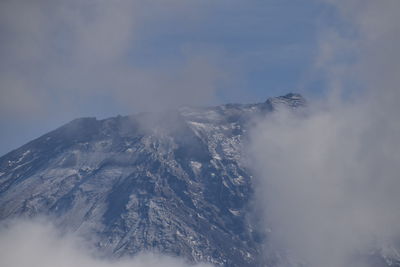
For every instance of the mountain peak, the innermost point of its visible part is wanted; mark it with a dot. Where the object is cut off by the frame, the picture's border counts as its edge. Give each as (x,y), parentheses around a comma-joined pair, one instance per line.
(289,97)
(292,100)
(171,182)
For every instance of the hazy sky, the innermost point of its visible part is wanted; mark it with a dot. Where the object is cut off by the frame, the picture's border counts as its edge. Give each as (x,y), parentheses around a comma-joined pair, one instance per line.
(66,59)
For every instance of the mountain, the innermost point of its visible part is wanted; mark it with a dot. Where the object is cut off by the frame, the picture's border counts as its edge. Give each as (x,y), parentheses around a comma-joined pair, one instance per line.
(173,182)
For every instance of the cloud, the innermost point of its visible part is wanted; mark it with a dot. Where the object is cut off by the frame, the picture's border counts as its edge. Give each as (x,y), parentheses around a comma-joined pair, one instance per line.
(59,55)
(328,180)
(66,59)
(38,243)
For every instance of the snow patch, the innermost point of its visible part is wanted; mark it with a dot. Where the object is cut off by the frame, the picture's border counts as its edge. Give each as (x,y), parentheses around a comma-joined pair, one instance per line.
(239,180)
(23,156)
(216,156)
(196,167)
(234,212)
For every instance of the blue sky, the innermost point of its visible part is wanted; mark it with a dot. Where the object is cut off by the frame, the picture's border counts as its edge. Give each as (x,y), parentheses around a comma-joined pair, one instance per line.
(68,59)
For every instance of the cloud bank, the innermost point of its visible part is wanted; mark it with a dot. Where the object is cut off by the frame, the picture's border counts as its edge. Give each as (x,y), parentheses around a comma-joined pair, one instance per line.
(328,181)
(37,243)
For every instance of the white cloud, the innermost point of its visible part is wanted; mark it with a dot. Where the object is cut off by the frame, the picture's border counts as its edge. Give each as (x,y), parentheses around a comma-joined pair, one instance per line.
(37,243)
(328,181)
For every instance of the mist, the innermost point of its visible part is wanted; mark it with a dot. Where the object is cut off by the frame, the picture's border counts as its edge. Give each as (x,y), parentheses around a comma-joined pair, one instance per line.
(61,60)
(38,243)
(58,55)
(327,177)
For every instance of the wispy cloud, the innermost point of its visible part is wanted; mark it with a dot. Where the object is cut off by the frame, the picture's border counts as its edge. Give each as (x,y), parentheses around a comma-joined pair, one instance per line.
(57,53)
(38,243)
(66,59)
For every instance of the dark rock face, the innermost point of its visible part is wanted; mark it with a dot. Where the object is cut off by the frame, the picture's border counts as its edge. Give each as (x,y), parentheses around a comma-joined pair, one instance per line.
(171,182)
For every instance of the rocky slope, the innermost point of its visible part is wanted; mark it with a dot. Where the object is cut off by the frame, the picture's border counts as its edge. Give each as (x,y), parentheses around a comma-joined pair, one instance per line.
(171,182)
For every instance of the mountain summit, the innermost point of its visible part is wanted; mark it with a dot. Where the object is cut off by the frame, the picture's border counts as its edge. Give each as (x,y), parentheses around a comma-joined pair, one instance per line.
(172,182)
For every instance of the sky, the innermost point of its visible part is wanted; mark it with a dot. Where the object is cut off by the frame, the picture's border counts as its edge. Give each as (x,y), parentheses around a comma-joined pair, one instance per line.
(61,60)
